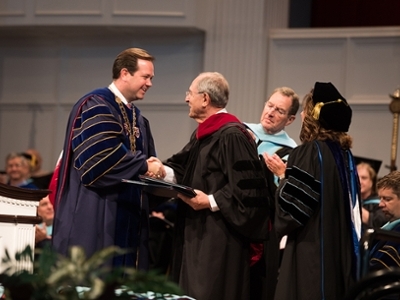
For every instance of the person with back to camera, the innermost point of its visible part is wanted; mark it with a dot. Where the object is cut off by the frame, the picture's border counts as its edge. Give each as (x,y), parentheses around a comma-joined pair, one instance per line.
(318,203)
(214,229)
(108,140)
(279,111)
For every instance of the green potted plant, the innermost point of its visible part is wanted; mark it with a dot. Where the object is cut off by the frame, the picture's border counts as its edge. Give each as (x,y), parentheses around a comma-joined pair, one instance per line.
(77,277)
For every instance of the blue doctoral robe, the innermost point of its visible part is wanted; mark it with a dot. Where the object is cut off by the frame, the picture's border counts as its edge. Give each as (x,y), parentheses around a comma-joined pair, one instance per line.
(270,143)
(93,209)
(386,254)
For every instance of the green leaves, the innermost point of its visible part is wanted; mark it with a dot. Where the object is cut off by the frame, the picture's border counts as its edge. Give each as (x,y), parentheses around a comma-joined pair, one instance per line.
(78,277)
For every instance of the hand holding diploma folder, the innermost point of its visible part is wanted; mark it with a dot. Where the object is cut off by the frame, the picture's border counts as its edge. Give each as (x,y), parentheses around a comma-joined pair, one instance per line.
(162,188)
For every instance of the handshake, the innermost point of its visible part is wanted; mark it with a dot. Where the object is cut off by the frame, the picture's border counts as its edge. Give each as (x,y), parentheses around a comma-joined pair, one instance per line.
(155,168)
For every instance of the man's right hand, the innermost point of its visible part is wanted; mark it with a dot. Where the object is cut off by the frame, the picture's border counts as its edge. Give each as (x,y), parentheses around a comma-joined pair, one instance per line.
(155,168)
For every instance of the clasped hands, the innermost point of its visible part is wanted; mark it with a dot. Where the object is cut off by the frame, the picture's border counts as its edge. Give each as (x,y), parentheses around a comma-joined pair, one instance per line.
(155,168)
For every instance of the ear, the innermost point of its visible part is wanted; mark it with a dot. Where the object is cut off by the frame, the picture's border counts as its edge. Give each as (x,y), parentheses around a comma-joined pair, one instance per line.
(206,100)
(123,73)
(290,120)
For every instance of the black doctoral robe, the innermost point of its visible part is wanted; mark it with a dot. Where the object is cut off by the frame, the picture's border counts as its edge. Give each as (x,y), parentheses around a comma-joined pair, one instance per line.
(212,259)
(314,210)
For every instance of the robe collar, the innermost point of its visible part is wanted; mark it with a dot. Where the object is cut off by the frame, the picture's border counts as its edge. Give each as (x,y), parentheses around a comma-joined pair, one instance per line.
(391,225)
(118,94)
(214,123)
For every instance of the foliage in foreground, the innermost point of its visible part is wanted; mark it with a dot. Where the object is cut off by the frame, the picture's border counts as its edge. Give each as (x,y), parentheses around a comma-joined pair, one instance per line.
(77,277)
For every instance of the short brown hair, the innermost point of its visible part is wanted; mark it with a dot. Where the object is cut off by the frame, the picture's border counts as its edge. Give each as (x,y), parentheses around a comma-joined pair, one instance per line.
(390,181)
(128,59)
(288,92)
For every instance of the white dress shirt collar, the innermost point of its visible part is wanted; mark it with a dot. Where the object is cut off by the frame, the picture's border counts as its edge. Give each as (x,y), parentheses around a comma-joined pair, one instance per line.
(117,93)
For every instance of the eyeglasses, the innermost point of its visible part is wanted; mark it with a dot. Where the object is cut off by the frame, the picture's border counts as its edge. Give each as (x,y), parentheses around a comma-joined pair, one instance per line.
(272,107)
(190,93)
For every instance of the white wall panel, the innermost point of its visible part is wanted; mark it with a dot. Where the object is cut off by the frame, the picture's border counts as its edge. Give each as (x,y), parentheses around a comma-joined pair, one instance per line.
(363,63)
(99,12)
(56,65)
(299,63)
(375,65)
(41,78)
(70,7)
(170,125)
(82,69)
(28,75)
(236,46)
(26,126)
(371,130)
(173,8)
(12,8)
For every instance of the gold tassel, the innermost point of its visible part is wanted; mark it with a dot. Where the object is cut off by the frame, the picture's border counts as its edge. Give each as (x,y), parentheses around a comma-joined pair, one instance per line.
(316,110)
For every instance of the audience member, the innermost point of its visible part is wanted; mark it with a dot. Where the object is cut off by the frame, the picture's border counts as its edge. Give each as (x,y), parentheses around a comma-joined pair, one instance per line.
(386,254)
(43,231)
(318,205)
(214,229)
(3,177)
(107,140)
(40,177)
(372,215)
(19,171)
(279,111)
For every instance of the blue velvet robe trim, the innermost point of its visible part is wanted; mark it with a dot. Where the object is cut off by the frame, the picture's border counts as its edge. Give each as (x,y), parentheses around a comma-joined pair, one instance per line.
(119,213)
(300,200)
(346,181)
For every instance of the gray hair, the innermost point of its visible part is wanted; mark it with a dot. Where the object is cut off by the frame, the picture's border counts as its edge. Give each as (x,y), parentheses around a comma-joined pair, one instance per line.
(216,86)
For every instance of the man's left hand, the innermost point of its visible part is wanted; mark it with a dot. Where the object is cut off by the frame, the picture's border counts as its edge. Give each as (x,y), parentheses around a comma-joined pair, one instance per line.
(199,202)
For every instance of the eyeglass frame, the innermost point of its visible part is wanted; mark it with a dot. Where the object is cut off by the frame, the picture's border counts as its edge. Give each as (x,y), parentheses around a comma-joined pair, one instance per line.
(190,93)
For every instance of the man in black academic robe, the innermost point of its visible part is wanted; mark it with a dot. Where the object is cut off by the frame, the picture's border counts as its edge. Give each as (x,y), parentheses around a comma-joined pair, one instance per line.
(215,229)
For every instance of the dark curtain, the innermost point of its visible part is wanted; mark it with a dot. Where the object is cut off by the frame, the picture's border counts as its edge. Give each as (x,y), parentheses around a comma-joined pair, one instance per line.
(355,13)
